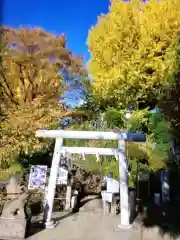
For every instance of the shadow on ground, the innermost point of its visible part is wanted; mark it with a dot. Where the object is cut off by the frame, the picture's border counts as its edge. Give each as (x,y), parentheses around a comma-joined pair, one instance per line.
(36,226)
(166,216)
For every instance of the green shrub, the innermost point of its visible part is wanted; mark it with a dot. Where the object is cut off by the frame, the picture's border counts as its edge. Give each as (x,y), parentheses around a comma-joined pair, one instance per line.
(114,118)
(160,135)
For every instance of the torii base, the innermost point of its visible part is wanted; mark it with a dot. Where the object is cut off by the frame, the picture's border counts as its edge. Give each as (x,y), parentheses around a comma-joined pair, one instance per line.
(49,224)
(125,227)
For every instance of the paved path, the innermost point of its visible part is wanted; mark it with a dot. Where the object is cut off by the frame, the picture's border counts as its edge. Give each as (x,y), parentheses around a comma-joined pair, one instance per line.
(87,226)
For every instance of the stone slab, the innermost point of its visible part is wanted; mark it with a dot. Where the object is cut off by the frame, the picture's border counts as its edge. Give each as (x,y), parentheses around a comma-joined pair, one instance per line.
(12,228)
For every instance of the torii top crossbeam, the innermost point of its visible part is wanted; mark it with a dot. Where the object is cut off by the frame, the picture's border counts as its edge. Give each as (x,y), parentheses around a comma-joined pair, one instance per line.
(114,135)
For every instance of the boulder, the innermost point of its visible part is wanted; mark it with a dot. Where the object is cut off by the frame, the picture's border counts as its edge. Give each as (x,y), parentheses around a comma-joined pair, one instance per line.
(13,219)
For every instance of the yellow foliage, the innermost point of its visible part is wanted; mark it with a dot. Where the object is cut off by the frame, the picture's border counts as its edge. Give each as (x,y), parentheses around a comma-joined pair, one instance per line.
(30,63)
(30,86)
(128,47)
(18,129)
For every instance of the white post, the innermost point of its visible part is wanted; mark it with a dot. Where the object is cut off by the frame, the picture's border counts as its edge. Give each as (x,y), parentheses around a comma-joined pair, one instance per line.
(123,172)
(68,198)
(52,183)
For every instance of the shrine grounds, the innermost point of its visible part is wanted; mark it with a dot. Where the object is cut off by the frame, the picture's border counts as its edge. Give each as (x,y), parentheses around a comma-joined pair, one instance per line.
(96,226)
(90,223)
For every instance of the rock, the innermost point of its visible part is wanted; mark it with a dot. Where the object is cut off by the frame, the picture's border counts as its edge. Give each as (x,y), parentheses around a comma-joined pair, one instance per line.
(12,228)
(15,208)
(13,219)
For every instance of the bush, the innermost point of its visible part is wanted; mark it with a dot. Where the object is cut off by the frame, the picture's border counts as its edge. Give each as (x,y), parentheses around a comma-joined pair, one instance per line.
(114,118)
(138,121)
(160,136)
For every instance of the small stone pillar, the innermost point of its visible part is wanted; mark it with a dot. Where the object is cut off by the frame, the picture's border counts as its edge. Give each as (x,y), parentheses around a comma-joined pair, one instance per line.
(165,186)
(68,198)
(132,204)
(13,188)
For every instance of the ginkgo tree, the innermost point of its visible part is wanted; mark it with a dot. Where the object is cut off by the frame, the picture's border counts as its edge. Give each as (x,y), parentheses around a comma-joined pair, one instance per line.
(31,82)
(128,46)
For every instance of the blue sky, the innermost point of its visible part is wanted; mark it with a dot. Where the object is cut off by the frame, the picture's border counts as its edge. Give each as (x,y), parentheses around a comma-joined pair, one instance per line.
(74,18)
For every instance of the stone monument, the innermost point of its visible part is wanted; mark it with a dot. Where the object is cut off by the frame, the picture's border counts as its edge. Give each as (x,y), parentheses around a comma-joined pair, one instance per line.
(13,218)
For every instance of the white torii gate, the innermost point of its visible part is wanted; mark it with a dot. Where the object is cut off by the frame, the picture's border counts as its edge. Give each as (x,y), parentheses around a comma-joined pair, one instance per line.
(119,153)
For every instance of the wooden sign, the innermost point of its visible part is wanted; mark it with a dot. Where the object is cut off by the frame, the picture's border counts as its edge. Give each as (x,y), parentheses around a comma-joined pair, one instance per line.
(143,177)
(62,176)
(37,178)
(112,185)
